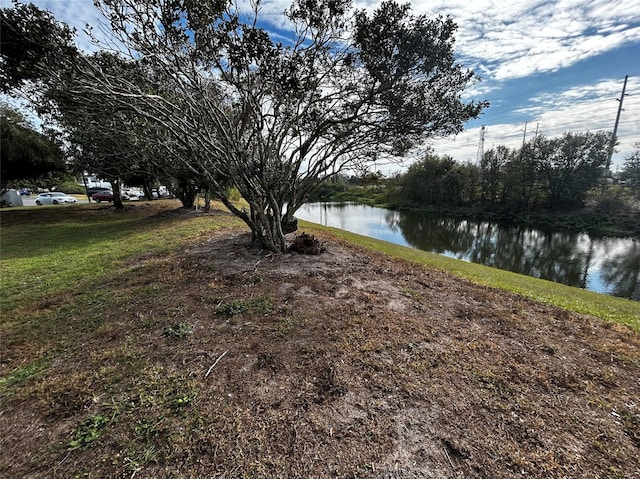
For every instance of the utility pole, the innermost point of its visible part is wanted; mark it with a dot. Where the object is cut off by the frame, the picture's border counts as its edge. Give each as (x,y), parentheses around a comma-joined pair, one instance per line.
(615,129)
(524,136)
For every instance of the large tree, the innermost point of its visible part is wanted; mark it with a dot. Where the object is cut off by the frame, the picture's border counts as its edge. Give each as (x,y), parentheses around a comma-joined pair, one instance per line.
(106,139)
(432,181)
(570,165)
(274,119)
(492,172)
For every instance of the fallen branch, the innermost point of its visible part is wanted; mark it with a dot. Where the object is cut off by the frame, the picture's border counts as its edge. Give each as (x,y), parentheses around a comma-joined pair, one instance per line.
(216,362)
(448,457)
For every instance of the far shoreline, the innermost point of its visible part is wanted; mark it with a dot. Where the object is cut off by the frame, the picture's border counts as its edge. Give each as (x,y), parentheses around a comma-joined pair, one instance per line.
(599,222)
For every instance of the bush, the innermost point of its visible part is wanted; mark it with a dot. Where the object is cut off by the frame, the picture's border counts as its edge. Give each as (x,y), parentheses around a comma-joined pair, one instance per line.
(326,191)
(612,201)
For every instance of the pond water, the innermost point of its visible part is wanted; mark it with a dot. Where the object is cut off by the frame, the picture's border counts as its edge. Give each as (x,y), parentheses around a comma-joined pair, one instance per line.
(605,265)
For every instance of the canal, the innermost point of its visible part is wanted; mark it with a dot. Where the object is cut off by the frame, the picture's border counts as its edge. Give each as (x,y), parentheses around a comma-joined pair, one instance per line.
(605,265)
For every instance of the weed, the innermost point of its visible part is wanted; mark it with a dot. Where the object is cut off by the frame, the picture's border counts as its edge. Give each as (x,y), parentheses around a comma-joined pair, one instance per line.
(181,401)
(234,308)
(287,324)
(178,331)
(260,305)
(22,373)
(88,431)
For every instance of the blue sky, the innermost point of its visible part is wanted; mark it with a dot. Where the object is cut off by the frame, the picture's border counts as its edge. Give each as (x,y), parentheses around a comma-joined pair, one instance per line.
(557,65)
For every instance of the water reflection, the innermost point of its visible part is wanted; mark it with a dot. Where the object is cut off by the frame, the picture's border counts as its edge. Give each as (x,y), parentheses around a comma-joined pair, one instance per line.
(606,265)
(621,271)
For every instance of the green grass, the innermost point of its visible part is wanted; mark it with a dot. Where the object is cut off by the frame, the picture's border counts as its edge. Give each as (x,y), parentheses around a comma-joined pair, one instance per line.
(24,373)
(606,307)
(50,251)
(88,431)
(61,269)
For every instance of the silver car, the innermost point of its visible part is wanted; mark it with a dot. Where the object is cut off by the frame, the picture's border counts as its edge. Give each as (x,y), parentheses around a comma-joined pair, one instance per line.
(55,198)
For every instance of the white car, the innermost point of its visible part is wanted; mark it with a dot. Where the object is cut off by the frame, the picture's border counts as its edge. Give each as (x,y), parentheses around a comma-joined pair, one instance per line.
(55,198)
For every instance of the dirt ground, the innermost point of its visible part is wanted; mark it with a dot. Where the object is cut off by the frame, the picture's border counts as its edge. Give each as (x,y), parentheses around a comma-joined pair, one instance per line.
(345,364)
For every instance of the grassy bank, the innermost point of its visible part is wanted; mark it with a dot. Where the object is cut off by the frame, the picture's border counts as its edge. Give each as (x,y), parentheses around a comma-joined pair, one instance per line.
(75,250)
(48,250)
(573,299)
(62,267)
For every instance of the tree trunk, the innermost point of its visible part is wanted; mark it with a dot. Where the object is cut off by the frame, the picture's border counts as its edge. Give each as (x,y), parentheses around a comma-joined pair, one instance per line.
(117,195)
(187,194)
(207,201)
(272,229)
(268,229)
(289,224)
(147,188)
(268,226)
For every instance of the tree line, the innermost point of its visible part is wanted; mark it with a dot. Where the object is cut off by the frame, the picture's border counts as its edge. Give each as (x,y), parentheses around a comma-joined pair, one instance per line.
(546,173)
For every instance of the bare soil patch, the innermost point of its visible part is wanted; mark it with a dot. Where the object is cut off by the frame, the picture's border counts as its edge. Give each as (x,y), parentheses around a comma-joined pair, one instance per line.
(225,361)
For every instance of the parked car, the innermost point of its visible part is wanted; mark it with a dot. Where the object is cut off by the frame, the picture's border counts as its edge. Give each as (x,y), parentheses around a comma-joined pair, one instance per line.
(54,198)
(107,195)
(130,195)
(104,195)
(25,192)
(96,189)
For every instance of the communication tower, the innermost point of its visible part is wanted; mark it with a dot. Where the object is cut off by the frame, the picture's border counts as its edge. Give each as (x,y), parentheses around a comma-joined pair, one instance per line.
(480,153)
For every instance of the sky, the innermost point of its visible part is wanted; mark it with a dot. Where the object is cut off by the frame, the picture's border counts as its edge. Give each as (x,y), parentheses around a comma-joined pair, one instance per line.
(546,67)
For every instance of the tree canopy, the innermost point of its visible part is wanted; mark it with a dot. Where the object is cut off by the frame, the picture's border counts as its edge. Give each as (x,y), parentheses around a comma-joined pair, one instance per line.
(571,164)
(552,173)
(103,138)
(31,41)
(631,168)
(274,119)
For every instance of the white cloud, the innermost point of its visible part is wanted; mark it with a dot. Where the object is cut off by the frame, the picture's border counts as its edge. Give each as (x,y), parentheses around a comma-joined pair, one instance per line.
(504,40)
(521,37)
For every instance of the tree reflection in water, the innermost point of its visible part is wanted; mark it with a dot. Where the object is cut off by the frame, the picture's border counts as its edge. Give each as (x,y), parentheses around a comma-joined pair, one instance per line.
(621,271)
